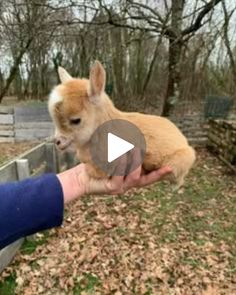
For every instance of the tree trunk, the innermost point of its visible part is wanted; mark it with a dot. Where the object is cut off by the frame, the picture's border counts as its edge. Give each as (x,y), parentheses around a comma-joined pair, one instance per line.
(18,85)
(227,40)
(150,69)
(14,69)
(1,81)
(139,68)
(173,85)
(118,60)
(175,47)
(57,61)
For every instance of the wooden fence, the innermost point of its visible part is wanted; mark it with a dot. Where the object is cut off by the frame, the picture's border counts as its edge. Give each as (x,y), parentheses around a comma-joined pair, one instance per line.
(41,159)
(7,132)
(30,123)
(222,141)
(25,123)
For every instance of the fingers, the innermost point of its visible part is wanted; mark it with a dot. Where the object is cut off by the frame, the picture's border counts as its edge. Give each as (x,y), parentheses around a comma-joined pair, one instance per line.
(134,160)
(121,165)
(116,183)
(133,178)
(119,184)
(154,176)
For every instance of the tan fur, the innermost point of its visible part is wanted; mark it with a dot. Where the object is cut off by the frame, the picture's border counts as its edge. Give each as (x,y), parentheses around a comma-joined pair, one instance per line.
(86,99)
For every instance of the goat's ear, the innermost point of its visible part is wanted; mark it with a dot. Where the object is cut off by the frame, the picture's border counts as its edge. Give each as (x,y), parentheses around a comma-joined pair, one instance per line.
(64,75)
(97,80)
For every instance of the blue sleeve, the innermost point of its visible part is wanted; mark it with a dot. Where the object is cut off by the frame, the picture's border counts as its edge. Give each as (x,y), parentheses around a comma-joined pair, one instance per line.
(29,206)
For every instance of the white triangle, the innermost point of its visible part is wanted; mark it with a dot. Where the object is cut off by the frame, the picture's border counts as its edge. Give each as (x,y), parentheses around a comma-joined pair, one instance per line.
(117,147)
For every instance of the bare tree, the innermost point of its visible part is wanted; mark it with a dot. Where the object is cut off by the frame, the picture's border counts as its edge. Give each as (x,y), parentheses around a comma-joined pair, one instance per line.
(156,53)
(25,30)
(144,17)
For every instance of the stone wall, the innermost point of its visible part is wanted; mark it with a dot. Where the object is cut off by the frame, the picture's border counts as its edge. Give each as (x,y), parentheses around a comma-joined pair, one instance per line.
(222,141)
(194,127)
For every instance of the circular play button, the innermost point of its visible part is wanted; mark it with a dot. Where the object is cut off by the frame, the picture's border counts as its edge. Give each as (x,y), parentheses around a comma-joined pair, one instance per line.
(117,147)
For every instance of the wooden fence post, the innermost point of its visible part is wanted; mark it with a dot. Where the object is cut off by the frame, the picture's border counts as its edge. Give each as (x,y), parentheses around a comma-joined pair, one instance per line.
(22,169)
(8,253)
(51,158)
(70,160)
(7,131)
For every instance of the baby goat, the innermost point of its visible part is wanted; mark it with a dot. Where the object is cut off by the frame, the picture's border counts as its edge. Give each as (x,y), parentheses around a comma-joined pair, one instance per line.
(79,106)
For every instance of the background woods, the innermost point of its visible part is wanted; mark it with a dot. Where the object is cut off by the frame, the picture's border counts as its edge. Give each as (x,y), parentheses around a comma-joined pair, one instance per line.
(157,53)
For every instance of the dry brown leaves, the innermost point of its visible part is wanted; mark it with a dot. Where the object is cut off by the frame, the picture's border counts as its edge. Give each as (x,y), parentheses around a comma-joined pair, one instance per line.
(115,240)
(11,150)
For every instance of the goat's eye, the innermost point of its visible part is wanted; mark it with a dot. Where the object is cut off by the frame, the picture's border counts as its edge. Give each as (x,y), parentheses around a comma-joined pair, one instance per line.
(75,121)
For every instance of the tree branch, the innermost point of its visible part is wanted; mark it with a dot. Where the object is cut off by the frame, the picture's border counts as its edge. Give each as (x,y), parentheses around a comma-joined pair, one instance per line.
(198,23)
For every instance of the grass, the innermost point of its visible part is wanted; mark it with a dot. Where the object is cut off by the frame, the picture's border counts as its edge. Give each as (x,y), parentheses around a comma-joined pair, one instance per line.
(203,207)
(33,103)
(13,101)
(87,284)
(3,159)
(30,244)
(8,286)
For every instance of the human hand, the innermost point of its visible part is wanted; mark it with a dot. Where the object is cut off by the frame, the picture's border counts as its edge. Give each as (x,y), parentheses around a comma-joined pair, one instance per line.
(76,182)
(120,184)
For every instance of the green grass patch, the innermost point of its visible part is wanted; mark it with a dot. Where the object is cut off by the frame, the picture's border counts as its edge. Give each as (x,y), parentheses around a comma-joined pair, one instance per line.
(33,103)
(87,284)
(201,211)
(3,159)
(8,286)
(30,245)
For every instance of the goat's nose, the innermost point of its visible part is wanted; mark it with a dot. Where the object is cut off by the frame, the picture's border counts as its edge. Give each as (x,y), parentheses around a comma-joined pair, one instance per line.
(57,141)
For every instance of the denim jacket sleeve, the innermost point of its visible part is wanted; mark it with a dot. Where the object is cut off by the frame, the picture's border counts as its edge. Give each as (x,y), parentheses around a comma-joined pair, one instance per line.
(29,206)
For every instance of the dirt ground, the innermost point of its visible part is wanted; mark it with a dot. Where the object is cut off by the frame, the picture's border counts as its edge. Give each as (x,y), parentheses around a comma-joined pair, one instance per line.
(149,241)
(11,150)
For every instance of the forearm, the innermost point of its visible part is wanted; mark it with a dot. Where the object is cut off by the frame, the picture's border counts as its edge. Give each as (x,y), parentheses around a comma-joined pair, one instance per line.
(29,206)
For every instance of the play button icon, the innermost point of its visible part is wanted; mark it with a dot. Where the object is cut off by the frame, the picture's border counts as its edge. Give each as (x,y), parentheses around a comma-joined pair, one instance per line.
(117,147)
(113,146)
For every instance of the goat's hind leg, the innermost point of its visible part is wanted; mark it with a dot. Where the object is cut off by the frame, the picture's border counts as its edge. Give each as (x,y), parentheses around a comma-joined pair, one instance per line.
(180,163)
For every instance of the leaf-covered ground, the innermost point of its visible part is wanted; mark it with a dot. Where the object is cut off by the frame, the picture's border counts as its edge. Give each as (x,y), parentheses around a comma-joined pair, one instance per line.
(149,241)
(11,150)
